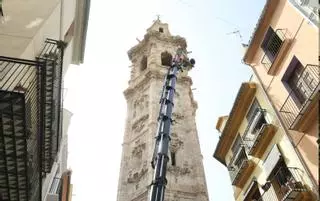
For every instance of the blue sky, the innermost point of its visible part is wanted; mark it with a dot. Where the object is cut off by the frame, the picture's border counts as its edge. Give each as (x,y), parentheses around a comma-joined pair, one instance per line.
(95,89)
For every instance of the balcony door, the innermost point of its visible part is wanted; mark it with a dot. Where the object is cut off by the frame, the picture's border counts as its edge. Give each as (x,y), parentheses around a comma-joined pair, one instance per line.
(256,120)
(299,86)
(253,192)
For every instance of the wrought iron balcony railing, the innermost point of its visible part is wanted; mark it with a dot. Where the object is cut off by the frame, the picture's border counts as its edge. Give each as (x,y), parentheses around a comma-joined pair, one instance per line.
(254,127)
(52,56)
(287,184)
(273,47)
(20,173)
(237,163)
(305,88)
(25,93)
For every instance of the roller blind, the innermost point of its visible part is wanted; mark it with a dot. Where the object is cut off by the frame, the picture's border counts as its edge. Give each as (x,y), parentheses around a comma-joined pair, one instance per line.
(271,160)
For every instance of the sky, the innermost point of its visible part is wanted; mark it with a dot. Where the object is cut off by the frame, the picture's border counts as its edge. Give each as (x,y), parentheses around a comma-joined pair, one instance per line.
(95,89)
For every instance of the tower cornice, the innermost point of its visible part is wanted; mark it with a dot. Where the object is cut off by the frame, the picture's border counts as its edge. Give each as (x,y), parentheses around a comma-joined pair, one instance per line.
(176,40)
(151,74)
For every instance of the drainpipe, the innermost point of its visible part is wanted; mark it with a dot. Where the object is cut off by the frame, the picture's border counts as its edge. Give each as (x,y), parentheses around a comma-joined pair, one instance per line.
(314,183)
(61,20)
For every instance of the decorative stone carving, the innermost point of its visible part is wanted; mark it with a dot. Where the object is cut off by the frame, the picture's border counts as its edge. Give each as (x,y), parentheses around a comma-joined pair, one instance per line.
(177,94)
(179,171)
(138,149)
(140,104)
(135,176)
(177,116)
(175,143)
(138,125)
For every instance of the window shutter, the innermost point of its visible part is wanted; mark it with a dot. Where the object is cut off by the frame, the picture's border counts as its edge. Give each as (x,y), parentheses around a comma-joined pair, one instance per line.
(271,160)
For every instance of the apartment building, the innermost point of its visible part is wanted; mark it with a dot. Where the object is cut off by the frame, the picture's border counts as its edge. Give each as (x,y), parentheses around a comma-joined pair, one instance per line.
(259,156)
(38,41)
(284,55)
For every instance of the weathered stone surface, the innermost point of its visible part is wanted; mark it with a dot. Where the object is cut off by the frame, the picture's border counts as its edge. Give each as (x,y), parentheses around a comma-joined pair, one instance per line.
(186,180)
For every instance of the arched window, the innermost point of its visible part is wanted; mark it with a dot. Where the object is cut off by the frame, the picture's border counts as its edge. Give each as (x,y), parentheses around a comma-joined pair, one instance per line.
(166,58)
(161,30)
(144,63)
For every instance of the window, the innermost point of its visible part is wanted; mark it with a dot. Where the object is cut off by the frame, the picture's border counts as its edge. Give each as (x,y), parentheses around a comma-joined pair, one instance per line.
(144,63)
(253,109)
(1,9)
(173,158)
(297,81)
(281,179)
(236,145)
(271,44)
(161,30)
(166,58)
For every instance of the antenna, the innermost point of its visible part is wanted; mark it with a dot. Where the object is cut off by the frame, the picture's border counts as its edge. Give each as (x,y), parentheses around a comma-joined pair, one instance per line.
(237,32)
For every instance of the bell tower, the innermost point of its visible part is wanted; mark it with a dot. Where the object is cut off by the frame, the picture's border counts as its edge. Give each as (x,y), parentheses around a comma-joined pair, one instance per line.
(185,174)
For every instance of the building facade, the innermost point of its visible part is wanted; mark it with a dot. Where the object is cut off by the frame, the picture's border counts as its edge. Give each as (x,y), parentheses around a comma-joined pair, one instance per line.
(284,55)
(185,173)
(259,156)
(38,40)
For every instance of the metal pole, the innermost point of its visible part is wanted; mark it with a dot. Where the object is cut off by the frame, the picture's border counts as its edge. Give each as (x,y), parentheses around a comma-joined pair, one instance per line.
(160,156)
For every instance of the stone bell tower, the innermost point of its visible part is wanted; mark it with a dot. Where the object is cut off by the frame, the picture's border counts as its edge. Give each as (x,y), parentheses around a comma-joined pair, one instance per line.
(186,179)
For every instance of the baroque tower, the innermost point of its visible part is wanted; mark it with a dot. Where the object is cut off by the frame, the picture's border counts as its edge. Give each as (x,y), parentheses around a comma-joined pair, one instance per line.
(185,174)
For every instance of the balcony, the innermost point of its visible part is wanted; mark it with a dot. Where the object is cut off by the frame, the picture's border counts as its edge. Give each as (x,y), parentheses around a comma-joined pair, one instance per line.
(240,168)
(55,192)
(52,56)
(286,185)
(258,134)
(300,106)
(19,129)
(25,91)
(275,49)
(241,104)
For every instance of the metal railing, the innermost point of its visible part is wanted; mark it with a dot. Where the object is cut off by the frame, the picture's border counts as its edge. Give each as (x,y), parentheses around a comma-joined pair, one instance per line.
(307,86)
(284,185)
(273,47)
(20,122)
(237,163)
(52,56)
(30,92)
(254,128)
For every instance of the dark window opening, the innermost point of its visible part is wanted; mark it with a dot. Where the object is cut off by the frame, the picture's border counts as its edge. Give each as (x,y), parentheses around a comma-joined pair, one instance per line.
(281,179)
(166,58)
(297,80)
(255,106)
(173,158)
(241,158)
(271,44)
(161,30)
(259,125)
(1,10)
(144,63)
(253,192)
(236,145)
(298,86)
